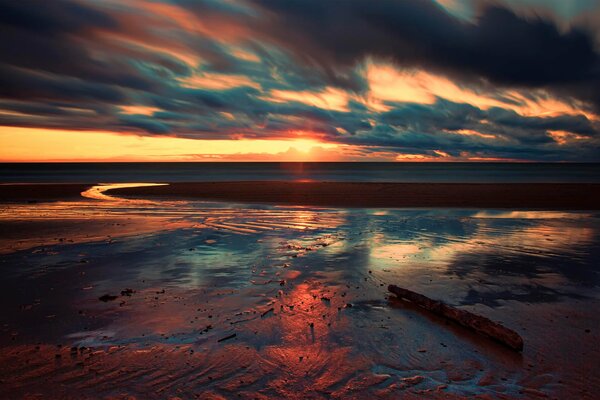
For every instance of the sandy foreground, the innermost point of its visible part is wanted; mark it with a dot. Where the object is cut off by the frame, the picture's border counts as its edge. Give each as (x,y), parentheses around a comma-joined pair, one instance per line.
(41,192)
(340,194)
(176,298)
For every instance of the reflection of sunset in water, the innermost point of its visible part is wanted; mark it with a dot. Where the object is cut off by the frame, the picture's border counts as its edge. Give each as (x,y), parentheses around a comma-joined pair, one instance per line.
(539,239)
(88,220)
(396,251)
(98,192)
(297,294)
(526,215)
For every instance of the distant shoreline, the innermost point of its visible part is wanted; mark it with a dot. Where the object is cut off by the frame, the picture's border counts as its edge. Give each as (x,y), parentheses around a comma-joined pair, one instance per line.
(399,172)
(561,196)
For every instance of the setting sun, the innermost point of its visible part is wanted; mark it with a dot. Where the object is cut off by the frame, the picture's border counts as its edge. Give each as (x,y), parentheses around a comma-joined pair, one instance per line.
(18,145)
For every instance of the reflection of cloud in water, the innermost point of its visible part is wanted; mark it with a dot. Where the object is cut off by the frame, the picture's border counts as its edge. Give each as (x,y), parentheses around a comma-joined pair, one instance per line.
(397,251)
(529,214)
(542,238)
(522,256)
(267,273)
(90,220)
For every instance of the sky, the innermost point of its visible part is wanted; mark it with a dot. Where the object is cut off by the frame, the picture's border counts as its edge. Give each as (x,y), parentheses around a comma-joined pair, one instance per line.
(300,80)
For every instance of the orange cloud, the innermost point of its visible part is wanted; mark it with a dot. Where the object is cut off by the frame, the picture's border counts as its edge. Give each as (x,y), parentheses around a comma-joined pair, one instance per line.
(329,99)
(138,110)
(470,132)
(243,54)
(413,157)
(546,106)
(563,137)
(213,25)
(388,83)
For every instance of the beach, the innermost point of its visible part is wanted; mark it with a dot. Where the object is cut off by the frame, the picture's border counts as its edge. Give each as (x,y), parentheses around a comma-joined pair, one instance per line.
(352,194)
(146,292)
(41,192)
(301,199)
(573,196)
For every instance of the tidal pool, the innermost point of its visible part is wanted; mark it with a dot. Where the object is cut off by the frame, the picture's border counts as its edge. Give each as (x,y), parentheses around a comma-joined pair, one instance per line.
(214,300)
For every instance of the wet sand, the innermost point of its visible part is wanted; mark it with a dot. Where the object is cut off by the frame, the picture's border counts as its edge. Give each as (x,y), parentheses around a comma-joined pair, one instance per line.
(562,196)
(342,194)
(22,234)
(298,295)
(41,192)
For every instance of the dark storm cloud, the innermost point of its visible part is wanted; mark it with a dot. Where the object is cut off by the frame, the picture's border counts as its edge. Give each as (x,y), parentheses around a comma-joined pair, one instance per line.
(53,17)
(499,46)
(17,83)
(510,119)
(447,115)
(50,37)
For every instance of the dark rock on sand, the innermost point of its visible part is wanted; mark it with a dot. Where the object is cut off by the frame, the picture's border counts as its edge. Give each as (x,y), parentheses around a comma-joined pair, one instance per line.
(107,297)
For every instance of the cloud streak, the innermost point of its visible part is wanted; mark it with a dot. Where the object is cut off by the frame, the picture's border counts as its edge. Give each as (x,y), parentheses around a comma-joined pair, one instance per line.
(389,78)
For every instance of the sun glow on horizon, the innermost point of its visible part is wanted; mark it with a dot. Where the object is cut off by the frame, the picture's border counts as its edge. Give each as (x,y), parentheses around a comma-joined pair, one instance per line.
(32,144)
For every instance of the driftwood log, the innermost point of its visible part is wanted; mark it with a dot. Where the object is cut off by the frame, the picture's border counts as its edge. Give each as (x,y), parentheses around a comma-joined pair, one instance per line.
(479,324)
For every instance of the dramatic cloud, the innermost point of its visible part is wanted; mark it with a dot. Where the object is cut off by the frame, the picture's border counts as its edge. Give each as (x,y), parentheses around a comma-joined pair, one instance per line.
(500,46)
(410,79)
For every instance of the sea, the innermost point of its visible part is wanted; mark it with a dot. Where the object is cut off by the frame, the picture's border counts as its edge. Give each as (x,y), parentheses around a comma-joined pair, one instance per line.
(300,171)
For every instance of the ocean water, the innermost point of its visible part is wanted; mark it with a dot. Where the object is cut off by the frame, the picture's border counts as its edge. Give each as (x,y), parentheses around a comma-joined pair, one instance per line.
(314,171)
